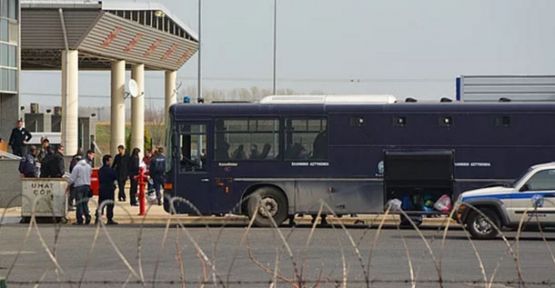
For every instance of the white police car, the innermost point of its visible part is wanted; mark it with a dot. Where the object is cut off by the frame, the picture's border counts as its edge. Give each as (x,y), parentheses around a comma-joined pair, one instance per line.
(531,196)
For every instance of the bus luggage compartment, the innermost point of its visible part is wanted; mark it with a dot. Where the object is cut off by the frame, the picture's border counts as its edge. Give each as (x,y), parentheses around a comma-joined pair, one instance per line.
(418,178)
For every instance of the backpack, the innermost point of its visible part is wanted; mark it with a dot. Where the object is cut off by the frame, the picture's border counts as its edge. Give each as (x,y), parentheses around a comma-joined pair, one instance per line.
(26,167)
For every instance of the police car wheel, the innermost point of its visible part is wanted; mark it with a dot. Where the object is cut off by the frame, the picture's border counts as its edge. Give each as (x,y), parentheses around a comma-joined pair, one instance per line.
(265,204)
(482,226)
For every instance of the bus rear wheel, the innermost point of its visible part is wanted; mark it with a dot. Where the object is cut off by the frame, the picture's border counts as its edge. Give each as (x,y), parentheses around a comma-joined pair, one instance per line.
(265,204)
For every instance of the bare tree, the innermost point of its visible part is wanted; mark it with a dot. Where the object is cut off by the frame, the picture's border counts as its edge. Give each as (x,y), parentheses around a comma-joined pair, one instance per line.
(155,120)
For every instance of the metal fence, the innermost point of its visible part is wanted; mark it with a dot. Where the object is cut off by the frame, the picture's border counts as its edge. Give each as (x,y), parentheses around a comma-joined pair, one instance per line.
(371,254)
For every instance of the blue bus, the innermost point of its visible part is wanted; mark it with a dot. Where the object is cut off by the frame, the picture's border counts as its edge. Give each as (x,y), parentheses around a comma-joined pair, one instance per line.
(355,157)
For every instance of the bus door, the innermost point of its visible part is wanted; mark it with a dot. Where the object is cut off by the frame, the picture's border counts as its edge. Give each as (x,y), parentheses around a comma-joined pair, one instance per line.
(194,177)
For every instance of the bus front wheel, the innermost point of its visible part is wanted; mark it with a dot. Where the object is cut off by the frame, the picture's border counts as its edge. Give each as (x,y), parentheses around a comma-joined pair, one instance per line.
(265,204)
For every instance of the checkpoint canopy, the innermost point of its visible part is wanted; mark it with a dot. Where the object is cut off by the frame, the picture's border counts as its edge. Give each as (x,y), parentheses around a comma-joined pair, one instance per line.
(137,32)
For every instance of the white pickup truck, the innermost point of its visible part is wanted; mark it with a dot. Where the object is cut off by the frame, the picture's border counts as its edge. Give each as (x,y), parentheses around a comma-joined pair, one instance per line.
(531,196)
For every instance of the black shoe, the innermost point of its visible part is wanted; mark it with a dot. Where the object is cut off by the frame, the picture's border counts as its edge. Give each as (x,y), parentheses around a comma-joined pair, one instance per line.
(134,204)
(112,222)
(159,202)
(88,221)
(77,223)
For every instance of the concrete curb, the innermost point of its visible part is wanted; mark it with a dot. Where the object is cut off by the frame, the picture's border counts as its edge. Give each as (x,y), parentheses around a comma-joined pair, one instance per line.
(157,216)
(231,220)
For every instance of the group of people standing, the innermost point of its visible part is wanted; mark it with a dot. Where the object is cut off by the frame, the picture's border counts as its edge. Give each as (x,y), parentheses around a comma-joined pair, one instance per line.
(49,163)
(127,167)
(46,162)
(122,167)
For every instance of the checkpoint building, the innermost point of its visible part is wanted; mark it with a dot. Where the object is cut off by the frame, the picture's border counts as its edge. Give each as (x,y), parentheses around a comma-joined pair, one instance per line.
(9,65)
(71,35)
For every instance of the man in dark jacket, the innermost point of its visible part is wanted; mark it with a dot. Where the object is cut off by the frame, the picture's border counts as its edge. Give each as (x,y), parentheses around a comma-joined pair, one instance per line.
(106,178)
(157,169)
(134,162)
(56,166)
(28,166)
(18,138)
(75,159)
(44,149)
(120,165)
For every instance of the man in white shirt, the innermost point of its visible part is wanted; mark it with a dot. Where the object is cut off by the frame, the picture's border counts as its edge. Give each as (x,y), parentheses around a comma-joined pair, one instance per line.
(81,179)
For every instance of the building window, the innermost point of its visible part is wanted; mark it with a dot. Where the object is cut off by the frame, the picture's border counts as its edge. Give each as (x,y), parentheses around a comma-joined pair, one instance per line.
(13,33)
(8,55)
(306,139)
(142,16)
(8,80)
(4,30)
(13,9)
(9,31)
(246,139)
(148,18)
(4,8)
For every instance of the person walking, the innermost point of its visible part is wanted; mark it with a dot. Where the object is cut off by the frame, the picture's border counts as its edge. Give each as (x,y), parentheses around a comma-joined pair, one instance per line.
(106,177)
(80,178)
(134,162)
(74,160)
(28,165)
(121,166)
(157,169)
(19,137)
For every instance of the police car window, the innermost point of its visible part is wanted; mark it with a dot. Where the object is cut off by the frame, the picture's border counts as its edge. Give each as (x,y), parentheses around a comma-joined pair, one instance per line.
(543,180)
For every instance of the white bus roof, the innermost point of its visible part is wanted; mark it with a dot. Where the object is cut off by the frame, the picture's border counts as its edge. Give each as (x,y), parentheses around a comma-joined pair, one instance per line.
(328,99)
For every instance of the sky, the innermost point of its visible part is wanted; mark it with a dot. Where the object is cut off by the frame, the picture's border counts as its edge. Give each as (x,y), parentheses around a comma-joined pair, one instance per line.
(405,48)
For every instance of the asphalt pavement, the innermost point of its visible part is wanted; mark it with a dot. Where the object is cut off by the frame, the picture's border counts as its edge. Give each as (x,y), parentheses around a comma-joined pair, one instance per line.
(130,255)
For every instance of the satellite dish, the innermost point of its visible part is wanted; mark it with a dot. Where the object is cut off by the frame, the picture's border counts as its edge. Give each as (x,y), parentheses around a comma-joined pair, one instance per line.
(133,88)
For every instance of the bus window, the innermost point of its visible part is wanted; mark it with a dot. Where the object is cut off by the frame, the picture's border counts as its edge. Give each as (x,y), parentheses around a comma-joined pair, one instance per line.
(192,145)
(306,139)
(246,139)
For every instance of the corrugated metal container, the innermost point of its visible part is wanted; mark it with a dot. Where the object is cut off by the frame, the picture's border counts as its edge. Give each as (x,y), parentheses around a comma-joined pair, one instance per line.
(516,88)
(43,197)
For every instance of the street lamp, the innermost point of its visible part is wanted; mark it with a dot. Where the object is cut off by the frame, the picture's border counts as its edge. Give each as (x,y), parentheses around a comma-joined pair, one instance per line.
(199,81)
(275,46)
